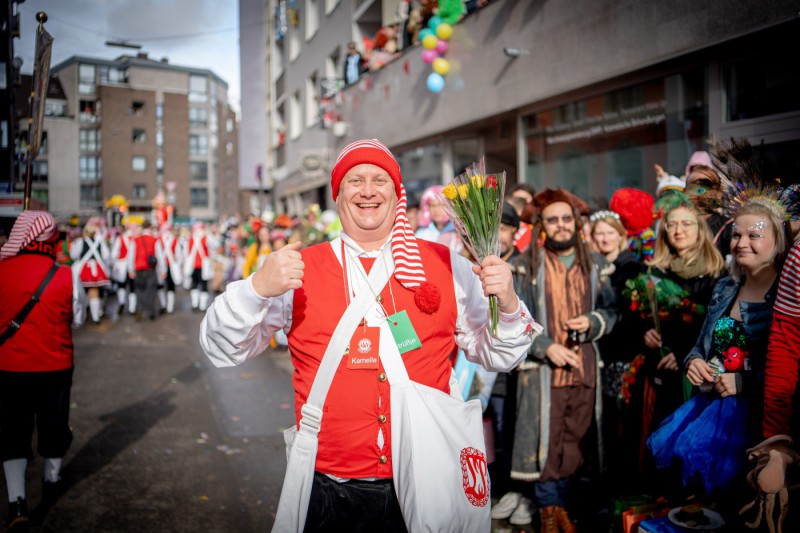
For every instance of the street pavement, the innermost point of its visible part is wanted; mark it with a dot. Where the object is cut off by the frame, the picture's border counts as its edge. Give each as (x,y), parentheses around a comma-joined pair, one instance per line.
(163,441)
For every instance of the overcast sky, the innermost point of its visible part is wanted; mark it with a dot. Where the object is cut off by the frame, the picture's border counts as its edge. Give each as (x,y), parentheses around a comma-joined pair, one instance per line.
(191,33)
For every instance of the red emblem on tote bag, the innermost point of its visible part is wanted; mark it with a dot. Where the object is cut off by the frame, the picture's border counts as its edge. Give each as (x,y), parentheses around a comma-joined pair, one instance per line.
(475,476)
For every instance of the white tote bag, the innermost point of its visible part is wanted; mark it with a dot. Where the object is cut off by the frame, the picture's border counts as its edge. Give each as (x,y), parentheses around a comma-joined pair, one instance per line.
(438,453)
(301,444)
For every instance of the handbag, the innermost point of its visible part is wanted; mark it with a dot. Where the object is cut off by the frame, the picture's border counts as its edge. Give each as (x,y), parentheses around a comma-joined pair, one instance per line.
(438,452)
(301,443)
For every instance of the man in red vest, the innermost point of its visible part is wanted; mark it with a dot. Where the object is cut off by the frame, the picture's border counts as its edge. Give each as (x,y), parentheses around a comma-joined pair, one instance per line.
(441,295)
(36,357)
(145,255)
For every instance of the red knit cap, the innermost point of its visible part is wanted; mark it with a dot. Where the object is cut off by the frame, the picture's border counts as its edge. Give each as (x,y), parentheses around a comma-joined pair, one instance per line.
(370,151)
(405,251)
(30,226)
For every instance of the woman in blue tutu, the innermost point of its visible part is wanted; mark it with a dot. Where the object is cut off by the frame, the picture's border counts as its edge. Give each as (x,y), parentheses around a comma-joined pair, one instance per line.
(709,434)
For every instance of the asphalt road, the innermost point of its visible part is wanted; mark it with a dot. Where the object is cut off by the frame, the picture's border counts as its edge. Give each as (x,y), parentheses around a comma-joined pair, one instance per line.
(163,441)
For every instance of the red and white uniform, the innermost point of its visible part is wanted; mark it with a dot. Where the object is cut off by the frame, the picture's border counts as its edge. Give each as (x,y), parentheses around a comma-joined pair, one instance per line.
(172,254)
(119,256)
(91,257)
(355,439)
(196,251)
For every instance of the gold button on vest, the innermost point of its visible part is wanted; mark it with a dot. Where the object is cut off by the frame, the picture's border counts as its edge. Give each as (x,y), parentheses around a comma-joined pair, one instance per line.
(381,377)
(383,459)
(382,419)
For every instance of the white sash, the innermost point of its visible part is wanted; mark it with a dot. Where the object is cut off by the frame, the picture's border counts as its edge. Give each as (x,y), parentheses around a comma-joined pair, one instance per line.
(301,444)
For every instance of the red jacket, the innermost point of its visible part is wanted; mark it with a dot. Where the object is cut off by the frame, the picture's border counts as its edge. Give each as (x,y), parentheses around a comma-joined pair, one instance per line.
(44,342)
(359,399)
(145,246)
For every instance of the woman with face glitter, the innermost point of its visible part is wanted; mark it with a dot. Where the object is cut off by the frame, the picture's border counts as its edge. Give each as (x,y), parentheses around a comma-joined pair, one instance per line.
(710,433)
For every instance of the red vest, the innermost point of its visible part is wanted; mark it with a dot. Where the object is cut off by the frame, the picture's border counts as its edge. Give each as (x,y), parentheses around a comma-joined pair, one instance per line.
(348,440)
(145,246)
(44,342)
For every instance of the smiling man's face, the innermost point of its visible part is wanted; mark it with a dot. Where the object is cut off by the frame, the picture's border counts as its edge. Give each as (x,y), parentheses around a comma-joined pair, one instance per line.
(367,203)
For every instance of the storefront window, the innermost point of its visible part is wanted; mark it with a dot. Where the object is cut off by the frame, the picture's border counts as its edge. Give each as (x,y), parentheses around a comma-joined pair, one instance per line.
(761,85)
(597,145)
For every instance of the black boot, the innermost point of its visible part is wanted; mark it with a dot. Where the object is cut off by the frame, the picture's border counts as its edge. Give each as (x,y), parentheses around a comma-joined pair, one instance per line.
(17,516)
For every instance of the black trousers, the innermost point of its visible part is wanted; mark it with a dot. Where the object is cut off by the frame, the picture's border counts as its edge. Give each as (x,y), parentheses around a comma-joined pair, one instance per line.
(146,283)
(34,398)
(353,506)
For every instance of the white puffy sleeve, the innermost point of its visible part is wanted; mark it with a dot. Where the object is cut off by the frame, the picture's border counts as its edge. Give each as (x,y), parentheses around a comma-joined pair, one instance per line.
(239,323)
(500,353)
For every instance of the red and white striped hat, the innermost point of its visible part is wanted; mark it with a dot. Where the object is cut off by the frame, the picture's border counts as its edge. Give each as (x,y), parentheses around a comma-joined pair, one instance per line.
(408,271)
(30,226)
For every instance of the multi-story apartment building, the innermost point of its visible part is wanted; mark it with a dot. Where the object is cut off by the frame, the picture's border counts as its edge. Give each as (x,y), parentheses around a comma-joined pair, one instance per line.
(134,126)
(587,95)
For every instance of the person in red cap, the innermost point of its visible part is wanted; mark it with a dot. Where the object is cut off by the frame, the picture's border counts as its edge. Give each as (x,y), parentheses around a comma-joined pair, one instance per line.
(306,293)
(36,357)
(568,288)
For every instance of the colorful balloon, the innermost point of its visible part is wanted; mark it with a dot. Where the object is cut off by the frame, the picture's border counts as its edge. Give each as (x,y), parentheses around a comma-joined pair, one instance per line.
(434,22)
(425,32)
(441,66)
(444,31)
(428,56)
(442,47)
(435,82)
(430,42)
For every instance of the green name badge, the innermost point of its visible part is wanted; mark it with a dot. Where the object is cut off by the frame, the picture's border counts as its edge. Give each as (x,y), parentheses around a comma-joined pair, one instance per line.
(403,332)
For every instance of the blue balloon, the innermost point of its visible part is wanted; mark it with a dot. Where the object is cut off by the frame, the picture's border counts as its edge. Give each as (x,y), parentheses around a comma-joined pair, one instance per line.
(434,22)
(425,32)
(435,82)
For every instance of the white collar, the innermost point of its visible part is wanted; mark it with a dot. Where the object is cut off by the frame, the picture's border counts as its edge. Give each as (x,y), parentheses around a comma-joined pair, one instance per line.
(357,251)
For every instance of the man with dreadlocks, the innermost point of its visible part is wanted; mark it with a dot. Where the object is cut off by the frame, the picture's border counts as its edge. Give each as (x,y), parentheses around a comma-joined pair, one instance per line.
(307,294)
(567,287)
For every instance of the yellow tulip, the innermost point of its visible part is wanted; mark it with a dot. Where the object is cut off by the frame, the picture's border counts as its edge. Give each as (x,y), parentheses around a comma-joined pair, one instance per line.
(463,190)
(477,181)
(450,192)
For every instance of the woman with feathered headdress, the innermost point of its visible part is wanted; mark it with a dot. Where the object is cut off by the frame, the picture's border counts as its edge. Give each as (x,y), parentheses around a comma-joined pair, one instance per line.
(710,433)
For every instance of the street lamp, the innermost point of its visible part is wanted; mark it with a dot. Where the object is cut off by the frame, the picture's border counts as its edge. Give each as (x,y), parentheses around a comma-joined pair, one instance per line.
(124,44)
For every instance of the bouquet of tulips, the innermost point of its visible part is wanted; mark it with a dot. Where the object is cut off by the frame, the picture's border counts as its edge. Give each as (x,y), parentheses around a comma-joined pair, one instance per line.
(474,203)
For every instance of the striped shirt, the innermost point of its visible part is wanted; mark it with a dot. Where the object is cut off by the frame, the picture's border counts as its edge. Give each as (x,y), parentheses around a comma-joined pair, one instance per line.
(788,299)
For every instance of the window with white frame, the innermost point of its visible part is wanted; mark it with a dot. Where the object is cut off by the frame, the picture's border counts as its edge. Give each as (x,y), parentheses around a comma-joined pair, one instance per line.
(198,145)
(138,163)
(140,191)
(198,88)
(295,44)
(198,117)
(90,168)
(90,195)
(198,171)
(87,79)
(139,136)
(332,64)
(295,116)
(199,197)
(312,101)
(330,5)
(312,18)
(89,140)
